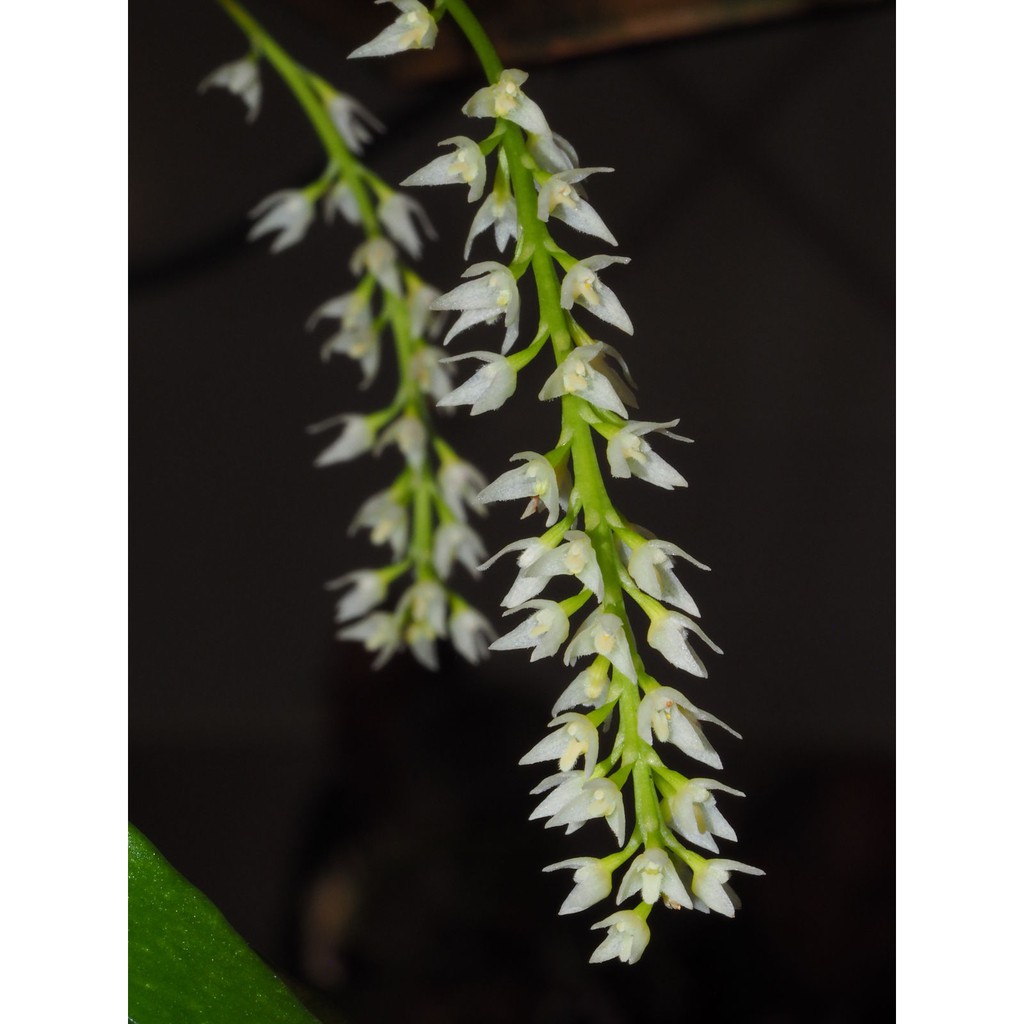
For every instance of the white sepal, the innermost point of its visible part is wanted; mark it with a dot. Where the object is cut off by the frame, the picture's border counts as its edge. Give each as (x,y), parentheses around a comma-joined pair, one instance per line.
(399,214)
(558,198)
(669,636)
(351,119)
(507,100)
(545,630)
(653,875)
(413,29)
(582,285)
(593,883)
(575,557)
(629,454)
(457,542)
(367,591)
(534,479)
(710,885)
(489,387)
(288,212)
(589,688)
(597,798)
(650,566)
(695,815)
(465,166)
(242,78)
(602,633)
(628,936)
(585,373)
(494,293)
(575,737)
(668,715)
(471,632)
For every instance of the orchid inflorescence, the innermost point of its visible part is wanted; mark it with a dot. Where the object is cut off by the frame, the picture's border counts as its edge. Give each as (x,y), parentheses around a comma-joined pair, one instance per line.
(608,559)
(616,572)
(423,516)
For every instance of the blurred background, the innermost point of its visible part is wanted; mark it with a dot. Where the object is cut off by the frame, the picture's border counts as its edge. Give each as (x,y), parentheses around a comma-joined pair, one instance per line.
(366,832)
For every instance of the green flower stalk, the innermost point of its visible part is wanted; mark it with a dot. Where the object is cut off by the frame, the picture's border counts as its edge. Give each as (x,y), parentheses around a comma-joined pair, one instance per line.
(422,517)
(620,572)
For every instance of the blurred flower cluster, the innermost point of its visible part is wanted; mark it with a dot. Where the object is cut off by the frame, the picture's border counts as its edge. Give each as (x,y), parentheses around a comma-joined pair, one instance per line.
(422,519)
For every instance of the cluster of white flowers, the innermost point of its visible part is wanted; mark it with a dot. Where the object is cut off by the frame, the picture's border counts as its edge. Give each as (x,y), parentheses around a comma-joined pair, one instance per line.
(421,519)
(615,721)
(609,561)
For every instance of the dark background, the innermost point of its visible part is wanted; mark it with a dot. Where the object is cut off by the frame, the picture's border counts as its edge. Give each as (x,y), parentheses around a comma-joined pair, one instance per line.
(367,832)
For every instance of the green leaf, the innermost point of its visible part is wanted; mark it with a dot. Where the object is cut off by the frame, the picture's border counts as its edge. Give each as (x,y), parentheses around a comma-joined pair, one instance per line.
(186,964)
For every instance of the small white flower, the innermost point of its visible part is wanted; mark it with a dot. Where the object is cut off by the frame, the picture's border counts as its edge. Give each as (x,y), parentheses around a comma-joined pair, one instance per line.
(507,100)
(410,435)
(544,630)
(630,455)
(499,210)
(396,214)
(341,200)
(695,815)
(466,166)
(589,688)
(432,377)
(493,294)
(357,339)
(378,632)
(585,373)
(471,633)
(582,285)
(525,586)
(552,153)
(413,29)
(425,603)
(627,938)
(710,885)
(593,881)
(387,521)
(576,557)
(576,737)
(367,591)
(534,479)
(602,633)
(460,484)
(289,212)
(378,258)
(653,875)
(423,321)
(562,788)
(650,565)
(356,437)
(488,389)
(597,798)
(558,198)
(669,716)
(457,541)
(668,634)
(242,78)
(351,118)
(348,309)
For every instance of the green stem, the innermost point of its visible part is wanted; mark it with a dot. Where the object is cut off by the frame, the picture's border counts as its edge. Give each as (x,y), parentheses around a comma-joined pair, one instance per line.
(299,82)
